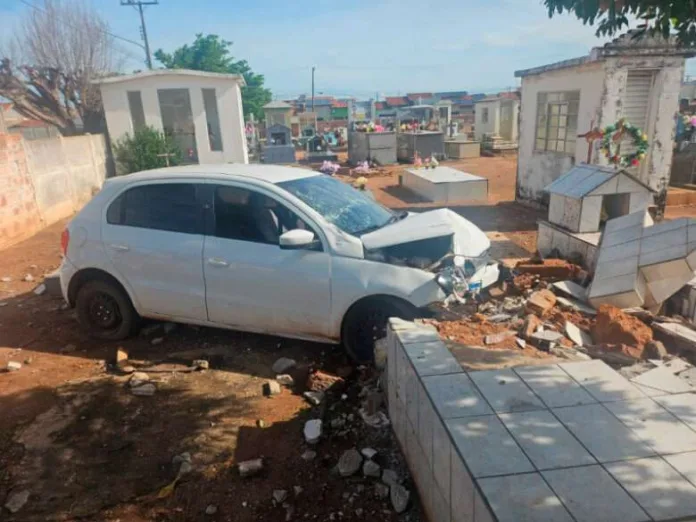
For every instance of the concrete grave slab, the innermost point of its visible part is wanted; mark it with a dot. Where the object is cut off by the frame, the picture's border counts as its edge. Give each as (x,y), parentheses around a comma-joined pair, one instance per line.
(656,426)
(505,391)
(684,463)
(662,379)
(592,495)
(546,442)
(487,447)
(578,336)
(656,486)
(603,383)
(682,406)
(523,498)
(606,437)
(554,386)
(454,395)
(432,358)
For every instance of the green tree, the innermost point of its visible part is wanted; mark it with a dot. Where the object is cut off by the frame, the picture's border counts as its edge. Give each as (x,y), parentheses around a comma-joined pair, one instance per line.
(146,149)
(661,17)
(211,53)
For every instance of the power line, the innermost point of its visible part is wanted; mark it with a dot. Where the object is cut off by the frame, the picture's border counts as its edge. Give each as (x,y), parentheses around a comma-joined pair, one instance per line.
(37,8)
(138,4)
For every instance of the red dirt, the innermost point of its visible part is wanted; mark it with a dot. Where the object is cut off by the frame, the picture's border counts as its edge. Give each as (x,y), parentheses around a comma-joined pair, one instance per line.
(614,327)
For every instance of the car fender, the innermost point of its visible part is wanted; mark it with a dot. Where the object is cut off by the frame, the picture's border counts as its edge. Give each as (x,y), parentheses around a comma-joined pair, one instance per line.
(100,267)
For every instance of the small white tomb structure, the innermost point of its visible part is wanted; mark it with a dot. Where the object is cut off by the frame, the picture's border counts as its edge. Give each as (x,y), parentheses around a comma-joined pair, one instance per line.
(581,202)
(445,184)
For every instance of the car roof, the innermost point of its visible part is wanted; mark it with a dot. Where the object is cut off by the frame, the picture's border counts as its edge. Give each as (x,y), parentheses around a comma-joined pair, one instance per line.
(266,173)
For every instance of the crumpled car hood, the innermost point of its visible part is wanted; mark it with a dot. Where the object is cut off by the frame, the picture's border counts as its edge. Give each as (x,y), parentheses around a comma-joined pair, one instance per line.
(468,239)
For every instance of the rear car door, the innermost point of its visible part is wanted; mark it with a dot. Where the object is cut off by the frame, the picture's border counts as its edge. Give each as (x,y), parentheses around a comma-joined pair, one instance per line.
(253,284)
(153,235)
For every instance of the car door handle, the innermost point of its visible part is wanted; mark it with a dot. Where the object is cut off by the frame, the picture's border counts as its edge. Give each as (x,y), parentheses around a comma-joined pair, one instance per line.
(216,261)
(120,248)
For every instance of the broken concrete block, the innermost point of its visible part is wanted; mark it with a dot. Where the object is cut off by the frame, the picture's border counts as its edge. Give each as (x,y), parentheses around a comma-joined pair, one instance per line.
(271,388)
(571,289)
(662,379)
(14,366)
(655,350)
(578,336)
(312,431)
(498,338)
(541,302)
(282,365)
(531,324)
(574,304)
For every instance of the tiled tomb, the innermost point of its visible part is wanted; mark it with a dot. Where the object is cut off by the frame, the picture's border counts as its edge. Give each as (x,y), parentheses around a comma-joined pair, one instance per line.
(562,442)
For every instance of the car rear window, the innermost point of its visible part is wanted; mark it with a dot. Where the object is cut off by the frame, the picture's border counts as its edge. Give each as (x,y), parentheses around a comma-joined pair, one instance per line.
(171,207)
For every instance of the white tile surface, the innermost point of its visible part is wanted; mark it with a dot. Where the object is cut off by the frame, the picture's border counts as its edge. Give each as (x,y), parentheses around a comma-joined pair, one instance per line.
(603,383)
(454,395)
(684,463)
(432,358)
(554,386)
(683,406)
(505,391)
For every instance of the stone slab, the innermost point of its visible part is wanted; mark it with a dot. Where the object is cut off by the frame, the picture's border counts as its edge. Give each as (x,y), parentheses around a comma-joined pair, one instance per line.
(576,305)
(606,437)
(487,447)
(592,495)
(682,406)
(684,463)
(571,289)
(663,379)
(656,426)
(656,486)
(603,383)
(505,391)
(546,442)
(454,395)
(554,386)
(523,498)
(432,358)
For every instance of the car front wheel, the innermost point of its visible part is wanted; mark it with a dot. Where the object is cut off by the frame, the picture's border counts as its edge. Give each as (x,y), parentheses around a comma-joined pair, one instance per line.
(366,322)
(105,311)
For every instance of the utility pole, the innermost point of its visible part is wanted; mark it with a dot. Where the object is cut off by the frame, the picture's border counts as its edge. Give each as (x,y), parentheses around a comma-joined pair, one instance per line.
(138,4)
(313,69)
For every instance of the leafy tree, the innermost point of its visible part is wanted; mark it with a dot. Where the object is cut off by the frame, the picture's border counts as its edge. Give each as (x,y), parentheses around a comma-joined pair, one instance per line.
(145,150)
(211,53)
(661,17)
(50,60)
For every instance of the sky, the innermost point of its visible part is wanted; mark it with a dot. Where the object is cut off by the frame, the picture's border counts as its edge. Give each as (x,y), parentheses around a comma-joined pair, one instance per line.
(361,48)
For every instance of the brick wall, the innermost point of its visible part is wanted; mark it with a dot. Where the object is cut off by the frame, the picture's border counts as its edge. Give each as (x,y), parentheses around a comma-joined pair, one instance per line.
(44,181)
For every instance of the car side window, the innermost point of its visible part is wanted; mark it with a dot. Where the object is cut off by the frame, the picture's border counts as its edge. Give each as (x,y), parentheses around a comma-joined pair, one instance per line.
(171,207)
(247,215)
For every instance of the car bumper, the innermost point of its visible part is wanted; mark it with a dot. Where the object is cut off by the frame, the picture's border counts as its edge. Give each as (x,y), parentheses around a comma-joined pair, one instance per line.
(66,271)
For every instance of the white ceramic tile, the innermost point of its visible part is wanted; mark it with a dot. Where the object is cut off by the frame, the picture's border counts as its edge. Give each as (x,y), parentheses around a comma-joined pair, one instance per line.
(603,383)
(554,386)
(505,391)
(454,395)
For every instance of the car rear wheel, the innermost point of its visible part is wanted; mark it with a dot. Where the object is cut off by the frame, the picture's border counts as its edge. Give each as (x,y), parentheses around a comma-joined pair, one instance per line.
(105,311)
(366,322)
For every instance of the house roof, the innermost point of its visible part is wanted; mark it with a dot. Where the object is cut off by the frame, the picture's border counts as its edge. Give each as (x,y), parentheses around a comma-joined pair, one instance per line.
(380,106)
(414,96)
(339,104)
(584,179)
(563,64)
(396,101)
(277,104)
(169,72)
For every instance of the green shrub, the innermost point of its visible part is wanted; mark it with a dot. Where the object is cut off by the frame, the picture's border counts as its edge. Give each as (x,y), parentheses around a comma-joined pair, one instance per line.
(143,149)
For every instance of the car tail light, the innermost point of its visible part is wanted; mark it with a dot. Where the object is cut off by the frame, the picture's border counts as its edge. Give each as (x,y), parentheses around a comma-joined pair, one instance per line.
(64,240)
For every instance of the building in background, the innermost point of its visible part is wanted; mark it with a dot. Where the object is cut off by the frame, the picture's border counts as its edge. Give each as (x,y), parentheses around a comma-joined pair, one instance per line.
(496,122)
(339,110)
(277,113)
(636,79)
(201,111)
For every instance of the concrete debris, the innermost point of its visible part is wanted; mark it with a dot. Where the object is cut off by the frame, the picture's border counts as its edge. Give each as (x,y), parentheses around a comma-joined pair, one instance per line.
(297,490)
(211,510)
(199,364)
(16,501)
(322,381)
(498,291)
(381,491)
(285,379)
(271,388)
(14,366)
(390,477)
(314,398)
(664,380)
(655,350)
(249,468)
(309,455)
(541,301)
(378,420)
(531,325)
(380,353)
(6,279)
(349,463)
(574,304)
(682,337)
(279,495)
(615,327)
(569,353)
(282,365)
(399,496)
(260,423)
(521,342)
(121,355)
(548,268)
(371,469)
(499,318)
(40,290)
(28,278)
(185,468)
(571,289)
(138,379)
(312,431)
(368,453)
(144,390)
(498,338)
(181,457)
(578,336)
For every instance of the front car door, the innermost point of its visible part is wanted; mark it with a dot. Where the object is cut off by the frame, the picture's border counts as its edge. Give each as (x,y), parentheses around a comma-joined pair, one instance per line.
(153,235)
(253,284)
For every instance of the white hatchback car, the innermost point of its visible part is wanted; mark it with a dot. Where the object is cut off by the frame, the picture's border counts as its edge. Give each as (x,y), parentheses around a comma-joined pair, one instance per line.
(261,248)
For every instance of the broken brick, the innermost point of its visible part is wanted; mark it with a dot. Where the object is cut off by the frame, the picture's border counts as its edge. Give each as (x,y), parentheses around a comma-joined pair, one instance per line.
(541,302)
(498,338)
(498,291)
(530,326)
(549,268)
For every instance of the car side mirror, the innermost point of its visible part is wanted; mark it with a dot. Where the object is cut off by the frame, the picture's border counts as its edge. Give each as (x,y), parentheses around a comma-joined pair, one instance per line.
(297,239)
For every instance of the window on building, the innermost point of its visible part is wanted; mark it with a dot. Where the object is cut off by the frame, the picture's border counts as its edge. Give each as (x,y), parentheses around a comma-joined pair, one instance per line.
(137,113)
(171,207)
(557,121)
(484,115)
(213,118)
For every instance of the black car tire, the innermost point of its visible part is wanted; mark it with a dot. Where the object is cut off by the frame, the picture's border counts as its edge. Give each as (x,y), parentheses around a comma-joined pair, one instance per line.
(105,311)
